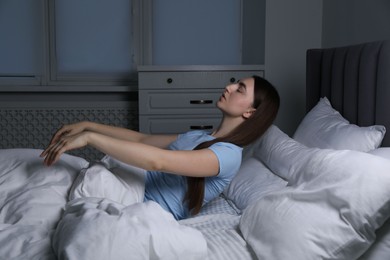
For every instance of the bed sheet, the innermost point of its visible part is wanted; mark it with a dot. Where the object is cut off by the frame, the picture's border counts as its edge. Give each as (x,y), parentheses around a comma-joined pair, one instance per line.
(219,223)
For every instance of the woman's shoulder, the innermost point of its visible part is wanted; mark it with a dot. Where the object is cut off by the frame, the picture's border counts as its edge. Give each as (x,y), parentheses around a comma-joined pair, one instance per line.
(227,146)
(196,134)
(188,140)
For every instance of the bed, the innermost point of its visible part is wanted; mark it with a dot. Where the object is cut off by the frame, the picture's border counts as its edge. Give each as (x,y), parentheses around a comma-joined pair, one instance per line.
(323,193)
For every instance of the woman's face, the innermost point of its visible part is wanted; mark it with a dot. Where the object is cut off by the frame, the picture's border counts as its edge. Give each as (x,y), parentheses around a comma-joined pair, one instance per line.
(237,99)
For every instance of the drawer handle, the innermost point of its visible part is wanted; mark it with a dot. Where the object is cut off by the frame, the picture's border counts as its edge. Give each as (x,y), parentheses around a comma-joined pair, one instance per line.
(201,127)
(232,80)
(201,102)
(169,80)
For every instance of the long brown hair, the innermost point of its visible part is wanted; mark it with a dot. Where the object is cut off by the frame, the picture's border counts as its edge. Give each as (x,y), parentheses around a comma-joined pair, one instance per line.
(266,102)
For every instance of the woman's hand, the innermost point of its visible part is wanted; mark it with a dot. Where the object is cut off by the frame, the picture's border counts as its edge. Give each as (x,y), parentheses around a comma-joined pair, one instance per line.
(68,130)
(64,143)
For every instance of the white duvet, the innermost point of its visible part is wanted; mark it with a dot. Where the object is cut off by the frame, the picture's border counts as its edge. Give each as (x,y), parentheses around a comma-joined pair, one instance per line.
(38,221)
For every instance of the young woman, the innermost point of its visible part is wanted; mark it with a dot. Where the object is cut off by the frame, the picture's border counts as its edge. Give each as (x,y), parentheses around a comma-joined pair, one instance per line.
(183,171)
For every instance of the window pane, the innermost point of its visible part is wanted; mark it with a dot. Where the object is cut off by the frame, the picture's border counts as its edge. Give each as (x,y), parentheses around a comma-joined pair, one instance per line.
(93,36)
(196,32)
(21,41)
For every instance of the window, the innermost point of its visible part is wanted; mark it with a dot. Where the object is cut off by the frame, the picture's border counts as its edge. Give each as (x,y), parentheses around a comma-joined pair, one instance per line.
(21,45)
(95,42)
(71,42)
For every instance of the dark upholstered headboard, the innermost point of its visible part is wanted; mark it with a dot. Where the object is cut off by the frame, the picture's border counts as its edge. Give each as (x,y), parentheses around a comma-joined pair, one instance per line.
(356,80)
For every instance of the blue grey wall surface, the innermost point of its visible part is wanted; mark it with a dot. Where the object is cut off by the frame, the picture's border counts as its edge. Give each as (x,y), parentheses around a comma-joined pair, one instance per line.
(355,21)
(292,27)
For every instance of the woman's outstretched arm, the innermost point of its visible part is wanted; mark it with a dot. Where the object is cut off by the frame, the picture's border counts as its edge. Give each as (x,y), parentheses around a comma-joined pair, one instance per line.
(196,163)
(161,141)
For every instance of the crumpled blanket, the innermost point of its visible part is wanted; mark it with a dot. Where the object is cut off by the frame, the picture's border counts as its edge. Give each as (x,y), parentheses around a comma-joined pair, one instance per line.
(95,228)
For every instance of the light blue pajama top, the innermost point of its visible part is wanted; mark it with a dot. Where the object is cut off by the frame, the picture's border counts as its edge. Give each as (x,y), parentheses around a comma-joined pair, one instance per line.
(168,190)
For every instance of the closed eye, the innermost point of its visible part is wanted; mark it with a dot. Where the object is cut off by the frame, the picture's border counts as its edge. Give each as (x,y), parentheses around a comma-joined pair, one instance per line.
(241,87)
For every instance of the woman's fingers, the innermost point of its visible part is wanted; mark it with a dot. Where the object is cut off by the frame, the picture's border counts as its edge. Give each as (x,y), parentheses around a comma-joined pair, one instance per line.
(49,160)
(68,130)
(53,152)
(60,133)
(49,148)
(45,152)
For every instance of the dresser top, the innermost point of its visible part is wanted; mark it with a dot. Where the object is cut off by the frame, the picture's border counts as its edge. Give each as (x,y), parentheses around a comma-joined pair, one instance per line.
(151,68)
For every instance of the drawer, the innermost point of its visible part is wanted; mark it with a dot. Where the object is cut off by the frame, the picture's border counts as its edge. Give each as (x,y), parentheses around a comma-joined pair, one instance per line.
(177,124)
(179,102)
(191,79)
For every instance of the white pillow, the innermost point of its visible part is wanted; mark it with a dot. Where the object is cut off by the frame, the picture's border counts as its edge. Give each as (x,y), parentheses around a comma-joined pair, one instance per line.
(336,201)
(280,153)
(252,182)
(324,127)
(380,250)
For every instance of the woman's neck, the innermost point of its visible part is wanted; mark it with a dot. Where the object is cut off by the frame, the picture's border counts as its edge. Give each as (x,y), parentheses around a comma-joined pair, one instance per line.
(226,126)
